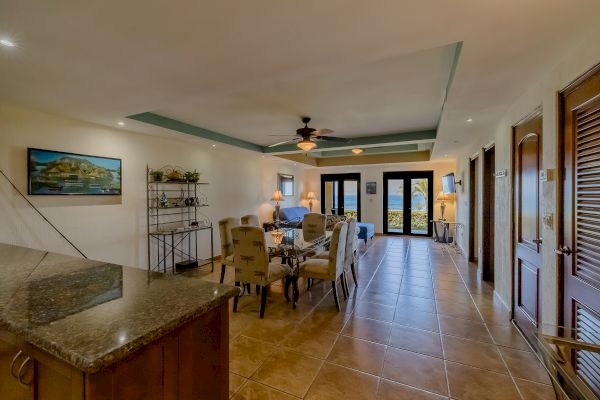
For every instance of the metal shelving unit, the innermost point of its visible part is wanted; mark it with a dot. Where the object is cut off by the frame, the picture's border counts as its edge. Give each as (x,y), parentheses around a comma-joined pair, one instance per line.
(175,223)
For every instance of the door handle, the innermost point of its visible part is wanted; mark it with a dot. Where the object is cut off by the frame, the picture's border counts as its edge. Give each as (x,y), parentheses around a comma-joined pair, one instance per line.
(564,251)
(14,361)
(22,372)
(537,241)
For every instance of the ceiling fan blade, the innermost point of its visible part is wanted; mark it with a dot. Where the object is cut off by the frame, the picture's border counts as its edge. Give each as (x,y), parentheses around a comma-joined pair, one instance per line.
(284,142)
(322,131)
(288,135)
(333,138)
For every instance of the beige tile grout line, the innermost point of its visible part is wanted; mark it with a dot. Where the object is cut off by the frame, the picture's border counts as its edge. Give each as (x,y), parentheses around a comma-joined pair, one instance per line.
(486,327)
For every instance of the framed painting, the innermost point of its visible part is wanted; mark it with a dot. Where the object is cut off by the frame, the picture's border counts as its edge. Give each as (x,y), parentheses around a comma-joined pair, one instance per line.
(371,187)
(58,173)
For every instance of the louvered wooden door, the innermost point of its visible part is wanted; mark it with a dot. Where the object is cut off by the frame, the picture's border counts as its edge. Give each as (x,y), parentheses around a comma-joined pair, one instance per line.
(527,242)
(580,249)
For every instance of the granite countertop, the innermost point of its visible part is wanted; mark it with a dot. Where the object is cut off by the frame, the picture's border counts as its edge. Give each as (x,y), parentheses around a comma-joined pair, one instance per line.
(92,314)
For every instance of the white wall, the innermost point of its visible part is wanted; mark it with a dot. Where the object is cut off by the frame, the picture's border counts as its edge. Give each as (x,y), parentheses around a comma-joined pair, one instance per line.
(582,56)
(372,205)
(113,228)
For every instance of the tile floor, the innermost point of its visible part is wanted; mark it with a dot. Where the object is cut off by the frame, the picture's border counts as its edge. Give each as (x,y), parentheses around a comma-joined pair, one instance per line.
(420,325)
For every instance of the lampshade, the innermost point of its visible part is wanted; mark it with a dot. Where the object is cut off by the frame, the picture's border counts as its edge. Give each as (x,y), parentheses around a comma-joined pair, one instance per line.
(277,196)
(443,196)
(306,145)
(310,196)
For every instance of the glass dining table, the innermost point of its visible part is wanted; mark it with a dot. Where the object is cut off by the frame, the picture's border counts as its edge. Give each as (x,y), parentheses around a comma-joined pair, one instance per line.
(572,359)
(293,246)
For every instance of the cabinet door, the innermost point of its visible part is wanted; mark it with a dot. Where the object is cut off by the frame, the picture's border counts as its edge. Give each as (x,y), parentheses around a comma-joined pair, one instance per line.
(10,388)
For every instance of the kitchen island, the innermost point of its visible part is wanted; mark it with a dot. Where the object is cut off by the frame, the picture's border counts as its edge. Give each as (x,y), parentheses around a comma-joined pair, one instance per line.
(72,328)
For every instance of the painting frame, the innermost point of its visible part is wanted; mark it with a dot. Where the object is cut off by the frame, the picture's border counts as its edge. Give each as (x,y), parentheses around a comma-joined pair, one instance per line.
(371,188)
(285,183)
(79,186)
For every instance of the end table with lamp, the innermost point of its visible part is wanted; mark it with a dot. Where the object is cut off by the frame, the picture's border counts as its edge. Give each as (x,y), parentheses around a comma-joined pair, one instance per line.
(277,197)
(310,196)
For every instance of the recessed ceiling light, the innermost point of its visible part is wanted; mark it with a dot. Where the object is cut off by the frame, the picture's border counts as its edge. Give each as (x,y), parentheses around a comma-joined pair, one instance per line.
(214,145)
(357,151)
(121,123)
(445,155)
(469,119)
(7,43)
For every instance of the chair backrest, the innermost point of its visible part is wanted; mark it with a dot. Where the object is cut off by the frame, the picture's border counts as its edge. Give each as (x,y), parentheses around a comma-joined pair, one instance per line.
(250,256)
(337,249)
(225,226)
(251,220)
(350,242)
(313,226)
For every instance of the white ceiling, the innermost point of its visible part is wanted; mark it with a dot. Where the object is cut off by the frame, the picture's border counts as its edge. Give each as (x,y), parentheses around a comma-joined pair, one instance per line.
(250,68)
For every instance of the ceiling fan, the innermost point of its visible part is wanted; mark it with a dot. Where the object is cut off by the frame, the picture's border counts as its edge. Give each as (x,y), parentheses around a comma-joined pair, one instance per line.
(306,137)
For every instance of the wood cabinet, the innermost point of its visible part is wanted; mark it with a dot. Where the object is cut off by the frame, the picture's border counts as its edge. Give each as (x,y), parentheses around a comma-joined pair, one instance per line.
(191,362)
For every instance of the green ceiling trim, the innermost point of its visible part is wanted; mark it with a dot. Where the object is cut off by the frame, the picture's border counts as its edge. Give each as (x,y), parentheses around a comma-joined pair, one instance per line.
(428,135)
(403,148)
(457,51)
(175,125)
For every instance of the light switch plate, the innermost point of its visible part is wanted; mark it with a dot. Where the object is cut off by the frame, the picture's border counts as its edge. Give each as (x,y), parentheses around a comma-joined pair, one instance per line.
(501,173)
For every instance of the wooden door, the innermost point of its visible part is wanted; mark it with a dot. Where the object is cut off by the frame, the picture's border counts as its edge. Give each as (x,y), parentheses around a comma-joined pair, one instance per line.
(527,234)
(489,195)
(580,249)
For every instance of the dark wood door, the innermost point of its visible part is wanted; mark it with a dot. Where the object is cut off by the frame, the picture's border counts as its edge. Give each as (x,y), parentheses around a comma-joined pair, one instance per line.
(527,234)
(580,249)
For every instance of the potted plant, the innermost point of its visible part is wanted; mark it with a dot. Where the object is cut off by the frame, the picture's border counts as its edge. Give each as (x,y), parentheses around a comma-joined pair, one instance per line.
(192,176)
(157,176)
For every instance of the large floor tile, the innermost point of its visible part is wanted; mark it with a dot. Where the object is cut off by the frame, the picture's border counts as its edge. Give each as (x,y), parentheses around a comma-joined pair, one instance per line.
(464,328)
(469,383)
(417,319)
(235,383)
(525,365)
(375,311)
(288,371)
(508,336)
(535,391)
(269,330)
(413,303)
(255,391)
(416,340)
(247,354)
(475,354)
(385,298)
(358,354)
(311,341)
(389,390)
(335,383)
(421,371)
(368,329)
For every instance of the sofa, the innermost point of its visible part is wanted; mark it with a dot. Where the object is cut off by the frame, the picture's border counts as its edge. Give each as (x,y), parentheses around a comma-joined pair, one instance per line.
(293,216)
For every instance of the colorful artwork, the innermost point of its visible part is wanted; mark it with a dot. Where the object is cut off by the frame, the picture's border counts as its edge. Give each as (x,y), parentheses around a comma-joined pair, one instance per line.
(58,173)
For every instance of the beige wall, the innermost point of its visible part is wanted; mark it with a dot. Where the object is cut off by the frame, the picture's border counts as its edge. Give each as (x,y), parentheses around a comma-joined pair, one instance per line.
(113,228)
(372,205)
(582,56)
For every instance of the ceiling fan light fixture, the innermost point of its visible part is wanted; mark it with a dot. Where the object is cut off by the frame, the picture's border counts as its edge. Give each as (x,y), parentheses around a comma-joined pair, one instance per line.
(306,145)
(357,150)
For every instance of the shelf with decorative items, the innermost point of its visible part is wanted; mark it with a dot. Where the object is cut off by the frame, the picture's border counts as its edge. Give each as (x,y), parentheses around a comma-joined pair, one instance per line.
(175,222)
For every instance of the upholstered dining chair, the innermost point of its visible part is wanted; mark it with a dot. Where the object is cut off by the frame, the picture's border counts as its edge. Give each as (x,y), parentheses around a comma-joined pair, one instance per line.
(225,227)
(313,226)
(350,250)
(251,220)
(252,264)
(332,268)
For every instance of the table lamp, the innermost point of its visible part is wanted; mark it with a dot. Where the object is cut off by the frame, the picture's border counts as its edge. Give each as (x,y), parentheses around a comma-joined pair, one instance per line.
(310,197)
(277,197)
(443,197)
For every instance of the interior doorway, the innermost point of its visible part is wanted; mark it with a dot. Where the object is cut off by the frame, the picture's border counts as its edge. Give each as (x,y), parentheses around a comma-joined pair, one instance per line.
(474,209)
(527,242)
(579,249)
(341,194)
(488,183)
(408,203)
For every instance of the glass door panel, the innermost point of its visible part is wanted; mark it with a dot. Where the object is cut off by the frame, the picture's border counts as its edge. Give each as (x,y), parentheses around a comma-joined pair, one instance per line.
(395,205)
(351,199)
(341,194)
(408,202)
(419,198)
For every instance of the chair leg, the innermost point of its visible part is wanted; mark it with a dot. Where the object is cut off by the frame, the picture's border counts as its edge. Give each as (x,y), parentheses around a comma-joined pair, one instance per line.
(257,289)
(308,283)
(345,286)
(335,296)
(263,300)
(248,288)
(222,273)
(235,299)
(353,274)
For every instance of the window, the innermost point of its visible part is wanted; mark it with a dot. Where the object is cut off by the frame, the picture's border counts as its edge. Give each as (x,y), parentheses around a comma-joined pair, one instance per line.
(286,184)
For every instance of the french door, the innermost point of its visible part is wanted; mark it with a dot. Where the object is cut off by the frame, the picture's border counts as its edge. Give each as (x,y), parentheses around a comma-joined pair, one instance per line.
(340,195)
(408,203)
